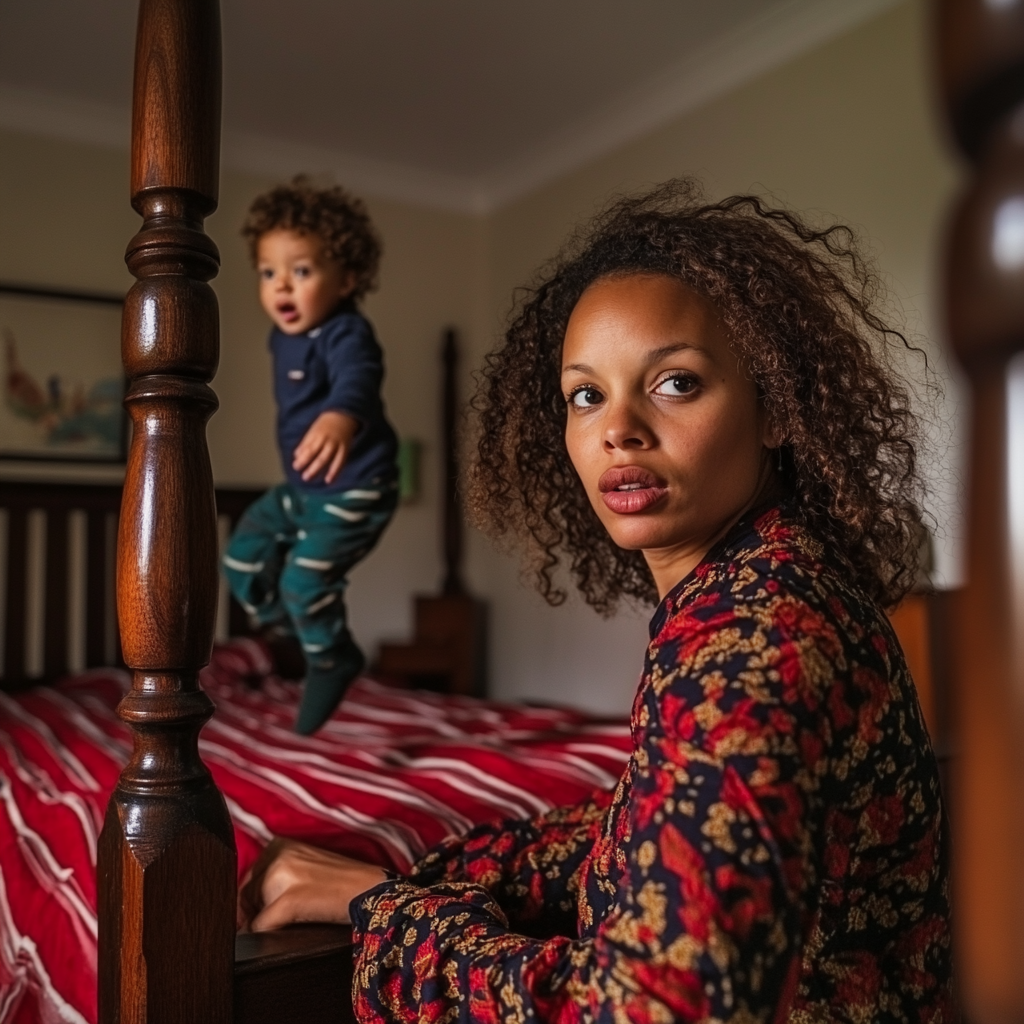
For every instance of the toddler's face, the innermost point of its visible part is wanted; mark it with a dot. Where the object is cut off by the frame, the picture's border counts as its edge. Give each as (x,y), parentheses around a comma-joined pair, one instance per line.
(299,286)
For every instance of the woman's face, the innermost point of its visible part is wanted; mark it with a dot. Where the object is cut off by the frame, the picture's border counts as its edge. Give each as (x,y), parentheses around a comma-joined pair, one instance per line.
(664,427)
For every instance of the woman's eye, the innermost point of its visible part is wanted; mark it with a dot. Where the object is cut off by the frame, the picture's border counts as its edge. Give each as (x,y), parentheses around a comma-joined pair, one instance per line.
(584,398)
(676,387)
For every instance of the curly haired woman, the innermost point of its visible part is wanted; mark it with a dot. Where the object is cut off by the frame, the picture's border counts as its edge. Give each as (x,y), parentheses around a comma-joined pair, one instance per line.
(695,406)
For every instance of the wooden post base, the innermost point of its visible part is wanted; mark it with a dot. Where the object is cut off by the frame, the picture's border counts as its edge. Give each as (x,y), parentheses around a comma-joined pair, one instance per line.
(167,871)
(155,901)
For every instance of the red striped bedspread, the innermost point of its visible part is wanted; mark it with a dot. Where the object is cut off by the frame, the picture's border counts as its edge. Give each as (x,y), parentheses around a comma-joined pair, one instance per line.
(392,773)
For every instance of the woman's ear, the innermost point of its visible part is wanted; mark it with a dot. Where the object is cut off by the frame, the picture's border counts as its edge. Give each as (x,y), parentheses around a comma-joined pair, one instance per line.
(771,435)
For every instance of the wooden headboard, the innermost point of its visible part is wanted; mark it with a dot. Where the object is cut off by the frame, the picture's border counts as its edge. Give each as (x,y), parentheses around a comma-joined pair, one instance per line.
(57,552)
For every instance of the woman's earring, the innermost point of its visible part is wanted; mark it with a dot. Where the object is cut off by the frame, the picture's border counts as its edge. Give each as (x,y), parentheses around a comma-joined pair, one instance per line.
(779,450)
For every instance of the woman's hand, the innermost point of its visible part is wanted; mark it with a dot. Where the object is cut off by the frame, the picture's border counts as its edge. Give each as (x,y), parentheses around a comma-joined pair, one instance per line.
(325,444)
(293,882)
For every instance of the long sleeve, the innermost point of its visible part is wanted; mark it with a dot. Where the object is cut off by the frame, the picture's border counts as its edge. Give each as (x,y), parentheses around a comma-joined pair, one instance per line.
(713,855)
(530,867)
(355,368)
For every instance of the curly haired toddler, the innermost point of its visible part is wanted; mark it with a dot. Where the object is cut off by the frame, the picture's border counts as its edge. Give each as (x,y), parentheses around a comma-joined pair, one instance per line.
(317,254)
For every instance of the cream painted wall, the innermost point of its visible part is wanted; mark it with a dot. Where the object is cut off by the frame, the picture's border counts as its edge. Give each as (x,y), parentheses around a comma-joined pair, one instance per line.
(845,131)
(65,220)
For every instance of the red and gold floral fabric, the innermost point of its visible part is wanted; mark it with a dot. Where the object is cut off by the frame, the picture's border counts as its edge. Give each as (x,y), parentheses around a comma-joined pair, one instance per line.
(774,851)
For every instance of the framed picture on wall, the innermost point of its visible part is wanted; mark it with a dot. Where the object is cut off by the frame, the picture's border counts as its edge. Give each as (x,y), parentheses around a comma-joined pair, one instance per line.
(63,385)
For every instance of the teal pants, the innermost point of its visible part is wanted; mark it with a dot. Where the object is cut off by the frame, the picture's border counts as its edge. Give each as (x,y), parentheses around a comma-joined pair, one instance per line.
(288,560)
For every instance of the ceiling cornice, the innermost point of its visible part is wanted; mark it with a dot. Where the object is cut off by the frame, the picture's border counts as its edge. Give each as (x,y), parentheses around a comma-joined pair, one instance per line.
(751,50)
(75,120)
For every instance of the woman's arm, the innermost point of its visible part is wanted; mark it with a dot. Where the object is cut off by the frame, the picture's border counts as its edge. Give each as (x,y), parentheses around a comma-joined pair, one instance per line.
(708,925)
(530,867)
(696,898)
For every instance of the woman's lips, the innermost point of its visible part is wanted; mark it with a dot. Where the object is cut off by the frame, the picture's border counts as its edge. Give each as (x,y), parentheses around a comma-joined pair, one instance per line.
(629,489)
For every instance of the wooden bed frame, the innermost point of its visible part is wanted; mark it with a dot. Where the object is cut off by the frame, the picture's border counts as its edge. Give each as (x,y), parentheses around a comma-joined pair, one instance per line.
(166,869)
(980,62)
(76,532)
(166,873)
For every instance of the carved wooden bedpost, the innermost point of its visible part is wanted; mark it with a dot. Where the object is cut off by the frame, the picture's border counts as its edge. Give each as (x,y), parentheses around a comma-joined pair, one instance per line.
(167,858)
(981,52)
(453,584)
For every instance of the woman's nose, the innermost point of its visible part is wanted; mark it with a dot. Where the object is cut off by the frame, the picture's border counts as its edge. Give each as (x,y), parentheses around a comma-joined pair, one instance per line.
(623,429)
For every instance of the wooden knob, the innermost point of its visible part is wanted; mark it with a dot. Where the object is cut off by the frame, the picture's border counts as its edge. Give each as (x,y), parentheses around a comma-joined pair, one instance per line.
(981,65)
(985,264)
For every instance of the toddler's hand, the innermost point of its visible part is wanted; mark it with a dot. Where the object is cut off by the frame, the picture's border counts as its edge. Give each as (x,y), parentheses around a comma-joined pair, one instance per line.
(325,444)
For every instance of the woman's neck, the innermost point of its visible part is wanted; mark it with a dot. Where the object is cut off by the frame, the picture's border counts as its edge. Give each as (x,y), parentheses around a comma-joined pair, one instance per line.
(670,565)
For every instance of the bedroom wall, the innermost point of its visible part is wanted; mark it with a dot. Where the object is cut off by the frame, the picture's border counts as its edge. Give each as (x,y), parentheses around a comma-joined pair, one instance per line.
(845,131)
(64,222)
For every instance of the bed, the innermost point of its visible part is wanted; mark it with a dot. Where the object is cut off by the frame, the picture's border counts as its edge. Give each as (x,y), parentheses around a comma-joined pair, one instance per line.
(171,844)
(391,774)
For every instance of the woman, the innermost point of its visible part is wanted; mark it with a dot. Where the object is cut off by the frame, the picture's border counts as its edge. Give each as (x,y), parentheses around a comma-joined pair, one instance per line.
(694,407)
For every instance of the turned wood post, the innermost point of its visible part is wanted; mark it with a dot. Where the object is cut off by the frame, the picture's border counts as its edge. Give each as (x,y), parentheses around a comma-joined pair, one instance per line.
(453,530)
(981,67)
(166,872)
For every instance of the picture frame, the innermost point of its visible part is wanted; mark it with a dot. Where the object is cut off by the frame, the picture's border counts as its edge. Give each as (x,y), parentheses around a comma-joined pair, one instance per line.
(62,385)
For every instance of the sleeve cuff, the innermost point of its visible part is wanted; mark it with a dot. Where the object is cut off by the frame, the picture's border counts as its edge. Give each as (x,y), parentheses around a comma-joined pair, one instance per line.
(359,908)
(377,907)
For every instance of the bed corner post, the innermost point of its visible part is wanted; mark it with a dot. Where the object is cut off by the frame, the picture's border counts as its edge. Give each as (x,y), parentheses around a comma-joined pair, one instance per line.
(166,866)
(981,69)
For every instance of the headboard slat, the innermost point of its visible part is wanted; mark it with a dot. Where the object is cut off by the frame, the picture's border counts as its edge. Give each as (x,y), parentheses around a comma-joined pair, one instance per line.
(95,588)
(55,621)
(15,613)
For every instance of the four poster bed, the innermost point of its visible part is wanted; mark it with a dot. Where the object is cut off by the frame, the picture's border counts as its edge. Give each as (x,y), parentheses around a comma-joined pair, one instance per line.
(171,845)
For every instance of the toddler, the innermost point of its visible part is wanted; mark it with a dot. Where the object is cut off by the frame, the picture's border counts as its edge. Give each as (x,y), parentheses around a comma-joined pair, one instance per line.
(316,254)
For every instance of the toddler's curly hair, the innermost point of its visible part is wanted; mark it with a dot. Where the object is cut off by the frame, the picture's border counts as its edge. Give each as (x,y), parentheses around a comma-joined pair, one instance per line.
(799,304)
(335,216)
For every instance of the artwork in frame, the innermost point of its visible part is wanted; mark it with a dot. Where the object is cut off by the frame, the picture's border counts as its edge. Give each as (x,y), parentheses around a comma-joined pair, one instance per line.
(63,385)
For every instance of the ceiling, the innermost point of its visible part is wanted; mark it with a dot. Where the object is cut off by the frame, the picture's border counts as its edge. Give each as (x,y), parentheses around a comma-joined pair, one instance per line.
(461,103)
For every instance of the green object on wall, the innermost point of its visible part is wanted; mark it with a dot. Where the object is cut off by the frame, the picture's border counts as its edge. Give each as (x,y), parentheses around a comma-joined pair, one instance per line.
(409,452)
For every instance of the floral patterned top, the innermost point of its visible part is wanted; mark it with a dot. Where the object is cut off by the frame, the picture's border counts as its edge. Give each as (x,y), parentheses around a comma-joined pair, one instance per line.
(774,851)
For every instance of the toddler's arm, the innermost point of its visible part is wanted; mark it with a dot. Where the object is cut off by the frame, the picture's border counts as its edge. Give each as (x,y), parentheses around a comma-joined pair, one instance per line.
(325,444)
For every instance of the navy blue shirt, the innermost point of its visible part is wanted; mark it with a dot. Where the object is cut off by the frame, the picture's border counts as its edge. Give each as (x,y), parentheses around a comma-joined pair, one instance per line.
(338,365)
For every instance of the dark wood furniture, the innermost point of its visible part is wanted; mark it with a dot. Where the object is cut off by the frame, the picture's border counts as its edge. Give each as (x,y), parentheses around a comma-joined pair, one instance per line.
(981,73)
(295,974)
(448,651)
(166,866)
(72,580)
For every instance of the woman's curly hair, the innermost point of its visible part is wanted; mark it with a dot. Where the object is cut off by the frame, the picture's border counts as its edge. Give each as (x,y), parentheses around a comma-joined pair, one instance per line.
(799,305)
(334,216)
